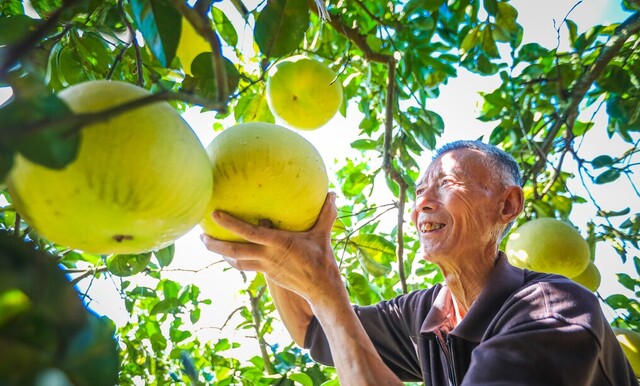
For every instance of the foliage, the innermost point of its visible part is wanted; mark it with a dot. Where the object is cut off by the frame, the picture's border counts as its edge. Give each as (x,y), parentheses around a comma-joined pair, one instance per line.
(393,58)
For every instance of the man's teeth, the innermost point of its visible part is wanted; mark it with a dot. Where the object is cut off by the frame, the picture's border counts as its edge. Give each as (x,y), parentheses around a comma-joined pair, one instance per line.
(432,226)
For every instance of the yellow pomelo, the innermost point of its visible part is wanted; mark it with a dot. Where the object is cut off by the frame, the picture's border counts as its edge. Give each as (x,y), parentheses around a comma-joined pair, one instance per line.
(548,245)
(590,277)
(265,171)
(303,92)
(190,45)
(630,342)
(141,179)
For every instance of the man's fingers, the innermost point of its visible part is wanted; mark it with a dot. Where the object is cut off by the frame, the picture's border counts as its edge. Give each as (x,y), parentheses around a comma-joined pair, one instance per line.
(230,248)
(252,233)
(327,215)
(243,264)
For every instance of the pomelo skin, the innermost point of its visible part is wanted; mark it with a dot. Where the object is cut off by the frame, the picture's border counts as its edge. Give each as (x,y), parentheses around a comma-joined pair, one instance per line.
(589,278)
(191,45)
(265,171)
(141,179)
(304,93)
(630,342)
(548,245)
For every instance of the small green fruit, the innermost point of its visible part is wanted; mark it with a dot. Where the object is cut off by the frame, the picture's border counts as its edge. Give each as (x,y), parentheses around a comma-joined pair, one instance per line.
(303,92)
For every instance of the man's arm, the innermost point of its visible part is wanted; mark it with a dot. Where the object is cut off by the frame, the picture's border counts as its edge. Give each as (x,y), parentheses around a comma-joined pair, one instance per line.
(293,309)
(303,263)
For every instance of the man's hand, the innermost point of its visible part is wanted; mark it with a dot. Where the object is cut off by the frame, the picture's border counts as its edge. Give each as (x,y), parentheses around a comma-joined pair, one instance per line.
(302,262)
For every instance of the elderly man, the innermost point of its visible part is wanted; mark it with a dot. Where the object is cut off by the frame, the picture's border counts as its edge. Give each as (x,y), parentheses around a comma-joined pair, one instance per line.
(488,324)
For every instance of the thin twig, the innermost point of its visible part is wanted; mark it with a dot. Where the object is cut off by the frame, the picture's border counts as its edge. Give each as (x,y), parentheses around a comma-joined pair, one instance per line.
(257,325)
(134,42)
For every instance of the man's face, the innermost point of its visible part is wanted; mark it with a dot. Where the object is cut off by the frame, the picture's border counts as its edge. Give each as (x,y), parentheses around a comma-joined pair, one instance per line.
(457,206)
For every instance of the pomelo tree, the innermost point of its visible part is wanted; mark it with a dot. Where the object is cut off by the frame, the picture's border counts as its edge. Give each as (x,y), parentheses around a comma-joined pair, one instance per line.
(394,59)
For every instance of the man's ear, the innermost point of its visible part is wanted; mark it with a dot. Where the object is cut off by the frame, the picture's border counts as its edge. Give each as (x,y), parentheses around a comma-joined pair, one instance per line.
(512,204)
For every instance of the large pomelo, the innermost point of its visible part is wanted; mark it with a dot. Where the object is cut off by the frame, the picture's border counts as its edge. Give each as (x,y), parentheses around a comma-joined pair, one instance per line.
(548,245)
(303,92)
(141,179)
(265,171)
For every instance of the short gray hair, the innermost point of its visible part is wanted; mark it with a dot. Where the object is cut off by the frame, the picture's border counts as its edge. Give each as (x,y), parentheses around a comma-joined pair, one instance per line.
(507,171)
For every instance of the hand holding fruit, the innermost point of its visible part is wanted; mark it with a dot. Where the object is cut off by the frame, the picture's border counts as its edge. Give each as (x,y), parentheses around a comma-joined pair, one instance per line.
(302,262)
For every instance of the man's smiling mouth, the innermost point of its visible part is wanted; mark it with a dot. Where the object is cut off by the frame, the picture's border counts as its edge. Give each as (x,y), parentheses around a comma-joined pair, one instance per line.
(430,227)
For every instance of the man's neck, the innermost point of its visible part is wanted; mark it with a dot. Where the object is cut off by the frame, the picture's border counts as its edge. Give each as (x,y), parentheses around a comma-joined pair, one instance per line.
(467,283)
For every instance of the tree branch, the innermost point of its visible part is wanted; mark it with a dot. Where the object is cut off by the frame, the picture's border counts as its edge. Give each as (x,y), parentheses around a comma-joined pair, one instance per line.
(83,119)
(354,36)
(390,170)
(628,28)
(257,324)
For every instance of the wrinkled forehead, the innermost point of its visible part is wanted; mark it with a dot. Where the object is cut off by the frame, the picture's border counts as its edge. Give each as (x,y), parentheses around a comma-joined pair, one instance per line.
(460,163)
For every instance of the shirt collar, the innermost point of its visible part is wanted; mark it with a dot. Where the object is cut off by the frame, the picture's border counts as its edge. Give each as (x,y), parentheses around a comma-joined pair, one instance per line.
(502,282)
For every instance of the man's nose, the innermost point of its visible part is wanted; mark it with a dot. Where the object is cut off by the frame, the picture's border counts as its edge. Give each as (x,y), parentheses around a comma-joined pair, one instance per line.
(425,201)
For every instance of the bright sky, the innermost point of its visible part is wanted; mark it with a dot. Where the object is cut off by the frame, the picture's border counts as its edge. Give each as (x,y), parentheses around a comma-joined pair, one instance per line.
(458,105)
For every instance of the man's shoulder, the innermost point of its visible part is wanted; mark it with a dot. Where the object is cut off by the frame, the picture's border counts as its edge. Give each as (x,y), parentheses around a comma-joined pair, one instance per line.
(554,299)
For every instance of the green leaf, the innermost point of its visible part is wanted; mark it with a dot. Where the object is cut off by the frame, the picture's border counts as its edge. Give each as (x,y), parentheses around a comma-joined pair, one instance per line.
(627,281)
(165,255)
(92,357)
(158,21)
(531,52)
(6,162)
(14,29)
(280,27)
(580,128)
(573,31)
(615,80)
(127,265)
(253,109)
(471,40)
(374,253)
(166,306)
(489,46)
(491,6)
(602,161)
(11,7)
(204,81)
(614,213)
(361,289)
(301,378)
(364,144)
(608,176)
(53,147)
(224,27)
(617,301)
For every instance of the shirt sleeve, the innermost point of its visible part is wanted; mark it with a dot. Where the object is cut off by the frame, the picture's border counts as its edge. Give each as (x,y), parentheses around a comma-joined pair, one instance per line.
(391,325)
